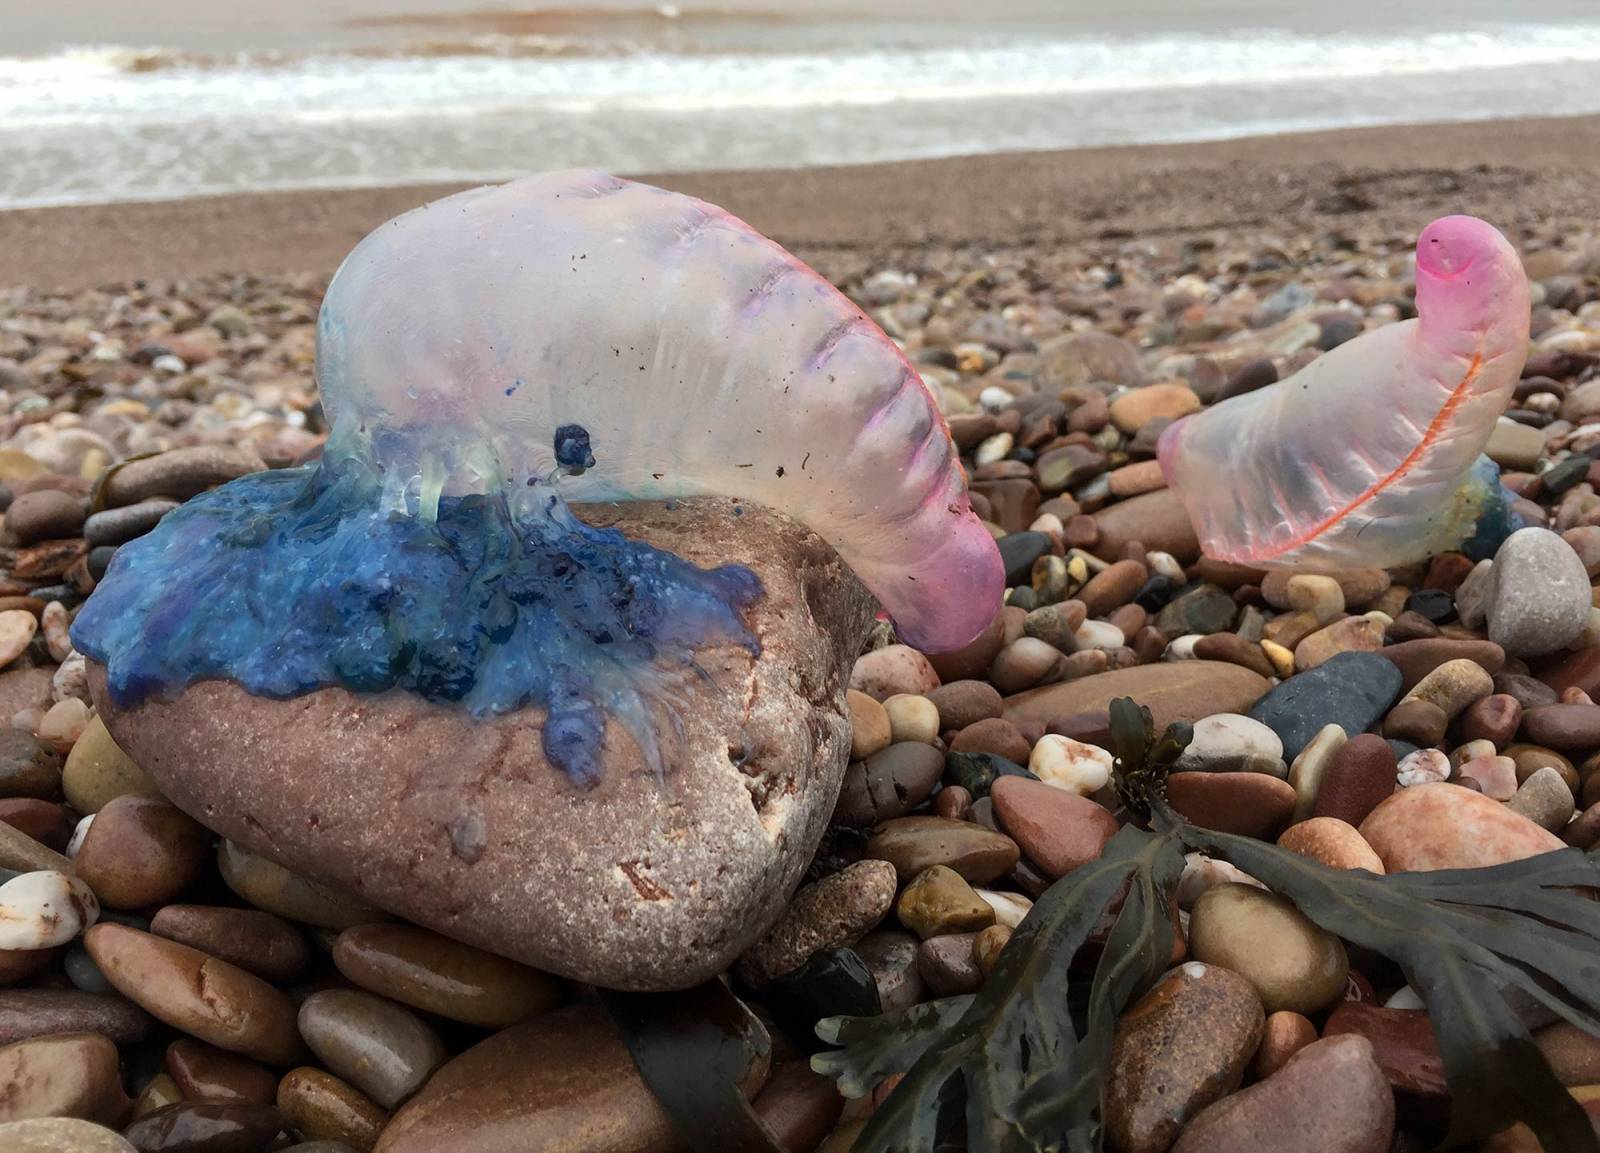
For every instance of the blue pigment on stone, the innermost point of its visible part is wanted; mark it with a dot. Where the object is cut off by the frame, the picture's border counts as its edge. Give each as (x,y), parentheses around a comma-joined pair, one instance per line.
(298,579)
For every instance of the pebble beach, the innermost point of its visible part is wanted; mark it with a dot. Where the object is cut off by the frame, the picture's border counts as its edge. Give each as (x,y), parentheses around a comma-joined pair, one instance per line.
(163,988)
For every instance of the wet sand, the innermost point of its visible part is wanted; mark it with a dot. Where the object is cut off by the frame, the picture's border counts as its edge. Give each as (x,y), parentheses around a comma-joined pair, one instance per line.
(1517,174)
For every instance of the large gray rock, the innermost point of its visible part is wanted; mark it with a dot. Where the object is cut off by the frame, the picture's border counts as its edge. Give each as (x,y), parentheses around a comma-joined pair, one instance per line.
(1538,596)
(463,826)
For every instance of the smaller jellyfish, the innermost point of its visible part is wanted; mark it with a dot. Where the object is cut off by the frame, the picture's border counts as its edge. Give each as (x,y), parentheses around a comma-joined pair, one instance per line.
(1366,457)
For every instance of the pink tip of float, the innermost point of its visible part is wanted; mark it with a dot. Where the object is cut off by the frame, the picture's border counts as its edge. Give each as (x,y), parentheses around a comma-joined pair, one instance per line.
(1450,245)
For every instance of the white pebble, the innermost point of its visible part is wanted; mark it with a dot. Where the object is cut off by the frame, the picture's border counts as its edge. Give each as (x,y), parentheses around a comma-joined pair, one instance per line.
(1165,564)
(1181,648)
(1071,765)
(1201,873)
(1423,767)
(53,622)
(1009,908)
(1404,997)
(1099,635)
(44,909)
(995,399)
(912,717)
(71,679)
(994,448)
(79,832)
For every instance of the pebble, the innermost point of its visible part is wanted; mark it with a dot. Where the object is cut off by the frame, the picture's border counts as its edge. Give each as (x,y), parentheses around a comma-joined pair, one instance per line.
(1311,766)
(912,844)
(1360,776)
(140,852)
(17,627)
(1155,519)
(43,821)
(1236,650)
(888,783)
(97,772)
(115,526)
(1494,718)
(1351,690)
(1318,595)
(1134,409)
(914,718)
(870,730)
(1229,743)
(1247,804)
(1330,1097)
(28,767)
(1175,691)
(1403,1045)
(197,994)
(21,853)
(1423,767)
(259,942)
(1112,587)
(1495,777)
(1350,635)
(200,1127)
(28,1013)
(1539,599)
(61,1135)
(324,1108)
(43,909)
(1332,842)
(62,1075)
(1201,611)
(430,972)
(179,473)
(1010,909)
(995,736)
(1443,826)
(1453,686)
(1416,659)
(1283,1035)
(1077,767)
(938,902)
(834,912)
(560,1081)
(382,1049)
(1292,963)
(973,659)
(1544,799)
(893,669)
(205,1073)
(1023,663)
(1514,445)
(948,966)
(891,956)
(1416,722)
(963,703)
(47,514)
(270,886)
(1356,586)
(1183,1045)
(1057,830)
(1564,727)
(1574,1055)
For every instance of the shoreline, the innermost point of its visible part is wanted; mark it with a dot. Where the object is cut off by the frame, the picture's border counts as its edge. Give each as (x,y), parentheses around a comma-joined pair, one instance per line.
(1514,172)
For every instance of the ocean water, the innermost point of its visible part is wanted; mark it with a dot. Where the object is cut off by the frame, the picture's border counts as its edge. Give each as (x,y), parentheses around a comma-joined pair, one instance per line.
(105,100)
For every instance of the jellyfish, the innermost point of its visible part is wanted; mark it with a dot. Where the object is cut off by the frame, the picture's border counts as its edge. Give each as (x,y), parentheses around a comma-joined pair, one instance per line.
(1370,455)
(488,359)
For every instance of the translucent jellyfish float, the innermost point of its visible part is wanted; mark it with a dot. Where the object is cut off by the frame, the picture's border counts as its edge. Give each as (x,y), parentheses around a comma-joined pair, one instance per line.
(487,358)
(1369,456)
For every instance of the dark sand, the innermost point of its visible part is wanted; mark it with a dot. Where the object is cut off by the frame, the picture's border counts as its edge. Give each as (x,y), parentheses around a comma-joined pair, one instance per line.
(1514,173)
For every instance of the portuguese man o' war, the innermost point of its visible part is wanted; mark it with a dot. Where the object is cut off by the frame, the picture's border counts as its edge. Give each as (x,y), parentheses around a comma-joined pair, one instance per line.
(491,356)
(1369,456)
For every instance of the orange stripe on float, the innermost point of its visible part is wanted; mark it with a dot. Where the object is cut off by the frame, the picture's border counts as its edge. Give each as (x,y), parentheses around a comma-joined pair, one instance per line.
(1434,430)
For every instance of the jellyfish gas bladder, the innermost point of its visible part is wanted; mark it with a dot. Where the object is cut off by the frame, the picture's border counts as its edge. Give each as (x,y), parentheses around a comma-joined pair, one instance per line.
(494,354)
(1365,458)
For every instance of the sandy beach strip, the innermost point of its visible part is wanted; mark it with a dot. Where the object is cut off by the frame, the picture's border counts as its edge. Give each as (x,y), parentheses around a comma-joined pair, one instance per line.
(1516,173)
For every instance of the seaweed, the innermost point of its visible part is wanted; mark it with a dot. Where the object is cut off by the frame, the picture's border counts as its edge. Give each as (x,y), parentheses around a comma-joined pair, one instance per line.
(1024,1061)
